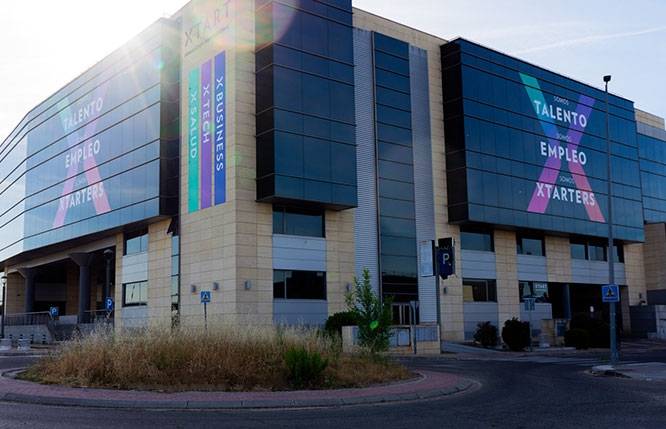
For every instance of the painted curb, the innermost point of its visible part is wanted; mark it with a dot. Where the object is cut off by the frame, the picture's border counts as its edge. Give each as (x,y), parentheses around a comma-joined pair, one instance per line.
(462,386)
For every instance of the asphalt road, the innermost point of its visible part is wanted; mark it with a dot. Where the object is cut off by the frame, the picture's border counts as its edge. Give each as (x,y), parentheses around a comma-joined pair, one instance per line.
(512,395)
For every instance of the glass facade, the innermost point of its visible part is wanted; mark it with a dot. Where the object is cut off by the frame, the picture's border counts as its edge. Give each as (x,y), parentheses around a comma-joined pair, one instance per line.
(306,147)
(175,279)
(652,159)
(527,148)
(100,153)
(395,169)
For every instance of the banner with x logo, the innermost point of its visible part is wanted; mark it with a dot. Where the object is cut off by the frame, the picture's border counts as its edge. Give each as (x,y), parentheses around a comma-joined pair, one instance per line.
(562,144)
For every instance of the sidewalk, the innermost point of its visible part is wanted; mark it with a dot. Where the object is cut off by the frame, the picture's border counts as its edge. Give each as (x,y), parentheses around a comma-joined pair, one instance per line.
(427,385)
(648,371)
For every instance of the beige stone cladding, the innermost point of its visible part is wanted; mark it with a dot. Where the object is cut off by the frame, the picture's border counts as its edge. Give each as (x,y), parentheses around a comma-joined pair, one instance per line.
(159,274)
(649,119)
(634,269)
(15,294)
(229,244)
(508,301)
(654,253)
(339,257)
(558,259)
(451,302)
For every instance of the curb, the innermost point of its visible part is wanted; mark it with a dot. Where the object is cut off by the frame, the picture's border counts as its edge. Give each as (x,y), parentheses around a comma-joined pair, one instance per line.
(606,371)
(462,385)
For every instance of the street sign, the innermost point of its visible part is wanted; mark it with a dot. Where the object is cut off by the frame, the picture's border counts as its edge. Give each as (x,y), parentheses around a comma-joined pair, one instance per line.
(427,258)
(205,296)
(530,304)
(610,293)
(108,304)
(446,264)
(54,311)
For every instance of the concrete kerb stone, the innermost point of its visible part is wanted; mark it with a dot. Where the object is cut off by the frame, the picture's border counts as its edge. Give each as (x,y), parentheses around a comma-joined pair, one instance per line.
(428,386)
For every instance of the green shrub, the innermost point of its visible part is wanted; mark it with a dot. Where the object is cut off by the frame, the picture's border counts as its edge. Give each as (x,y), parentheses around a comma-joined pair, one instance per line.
(578,338)
(516,334)
(373,315)
(486,334)
(336,321)
(598,330)
(305,367)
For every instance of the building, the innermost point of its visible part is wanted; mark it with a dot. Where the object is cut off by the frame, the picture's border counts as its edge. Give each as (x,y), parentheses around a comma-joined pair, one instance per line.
(269,151)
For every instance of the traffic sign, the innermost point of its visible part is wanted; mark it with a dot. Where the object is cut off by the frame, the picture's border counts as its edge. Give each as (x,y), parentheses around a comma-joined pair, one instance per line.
(446,264)
(54,311)
(205,296)
(610,293)
(108,304)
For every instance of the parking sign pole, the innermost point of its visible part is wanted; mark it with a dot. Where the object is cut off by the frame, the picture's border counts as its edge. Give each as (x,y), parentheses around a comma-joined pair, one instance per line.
(205,318)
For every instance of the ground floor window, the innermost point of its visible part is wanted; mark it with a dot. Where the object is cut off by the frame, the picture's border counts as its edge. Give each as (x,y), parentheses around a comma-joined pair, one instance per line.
(538,290)
(479,290)
(135,293)
(292,284)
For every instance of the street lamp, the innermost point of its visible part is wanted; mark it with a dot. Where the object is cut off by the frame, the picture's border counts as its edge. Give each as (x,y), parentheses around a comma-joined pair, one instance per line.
(3,280)
(611,254)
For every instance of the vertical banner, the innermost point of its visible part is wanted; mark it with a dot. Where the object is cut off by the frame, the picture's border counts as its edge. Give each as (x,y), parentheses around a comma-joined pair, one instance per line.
(193,142)
(206,143)
(220,129)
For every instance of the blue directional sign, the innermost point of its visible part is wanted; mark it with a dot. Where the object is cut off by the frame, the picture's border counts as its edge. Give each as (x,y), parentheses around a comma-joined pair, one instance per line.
(54,311)
(108,304)
(205,296)
(610,293)
(446,265)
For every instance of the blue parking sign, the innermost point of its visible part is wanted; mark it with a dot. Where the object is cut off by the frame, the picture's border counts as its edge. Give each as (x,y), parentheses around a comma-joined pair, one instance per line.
(108,304)
(205,296)
(54,311)
(610,293)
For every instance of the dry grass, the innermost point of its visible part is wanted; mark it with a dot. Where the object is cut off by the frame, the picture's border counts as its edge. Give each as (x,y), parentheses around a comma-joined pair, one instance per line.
(227,358)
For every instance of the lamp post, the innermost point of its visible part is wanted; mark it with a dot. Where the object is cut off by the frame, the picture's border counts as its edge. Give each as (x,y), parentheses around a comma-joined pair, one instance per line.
(611,254)
(3,279)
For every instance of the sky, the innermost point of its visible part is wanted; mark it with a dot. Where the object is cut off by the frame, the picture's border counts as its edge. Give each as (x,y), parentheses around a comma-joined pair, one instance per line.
(44,43)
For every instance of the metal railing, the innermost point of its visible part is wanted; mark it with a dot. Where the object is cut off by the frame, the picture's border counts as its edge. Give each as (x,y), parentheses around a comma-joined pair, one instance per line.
(99,316)
(33,318)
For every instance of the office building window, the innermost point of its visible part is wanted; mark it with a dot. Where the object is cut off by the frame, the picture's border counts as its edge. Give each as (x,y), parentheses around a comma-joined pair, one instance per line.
(578,250)
(618,252)
(530,245)
(135,293)
(175,279)
(479,290)
(136,242)
(595,250)
(309,223)
(476,240)
(538,290)
(291,284)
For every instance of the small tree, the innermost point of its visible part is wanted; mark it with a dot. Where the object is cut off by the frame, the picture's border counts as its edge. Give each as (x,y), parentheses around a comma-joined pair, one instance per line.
(371,314)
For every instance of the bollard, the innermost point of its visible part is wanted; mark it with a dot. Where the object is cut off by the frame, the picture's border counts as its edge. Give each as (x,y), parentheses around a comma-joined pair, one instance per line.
(24,344)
